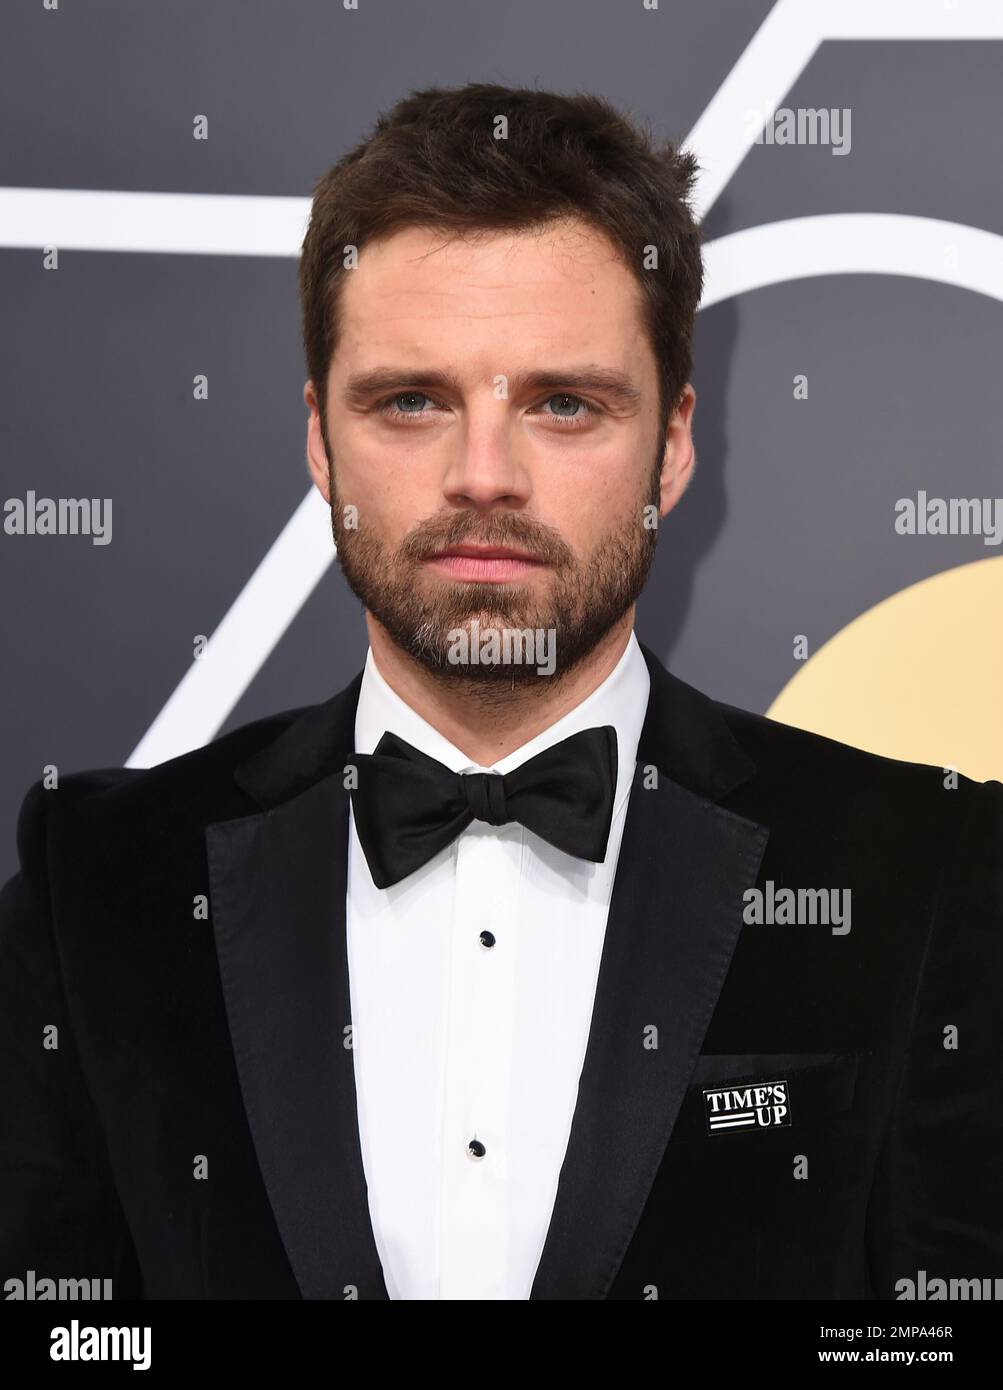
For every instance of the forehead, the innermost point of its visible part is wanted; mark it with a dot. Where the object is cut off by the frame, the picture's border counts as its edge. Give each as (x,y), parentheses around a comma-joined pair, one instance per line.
(496,296)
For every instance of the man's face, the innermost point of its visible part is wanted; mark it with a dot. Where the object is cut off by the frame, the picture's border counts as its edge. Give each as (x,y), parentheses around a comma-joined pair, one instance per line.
(492,415)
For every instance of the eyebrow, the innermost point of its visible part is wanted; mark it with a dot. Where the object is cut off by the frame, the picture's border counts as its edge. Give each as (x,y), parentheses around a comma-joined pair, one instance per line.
(604,380)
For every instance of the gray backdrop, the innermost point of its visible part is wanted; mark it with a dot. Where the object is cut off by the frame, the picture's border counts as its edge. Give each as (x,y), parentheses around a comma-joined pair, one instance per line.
(786,527)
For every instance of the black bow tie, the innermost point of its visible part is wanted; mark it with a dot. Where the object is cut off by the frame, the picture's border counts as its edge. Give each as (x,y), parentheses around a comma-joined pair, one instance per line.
(409,806)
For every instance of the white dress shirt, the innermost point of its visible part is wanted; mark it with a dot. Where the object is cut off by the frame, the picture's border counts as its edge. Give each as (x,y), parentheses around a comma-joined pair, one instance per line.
(455,1041)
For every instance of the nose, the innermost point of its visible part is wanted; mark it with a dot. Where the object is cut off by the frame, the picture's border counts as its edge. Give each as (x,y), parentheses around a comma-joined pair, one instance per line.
(486,469)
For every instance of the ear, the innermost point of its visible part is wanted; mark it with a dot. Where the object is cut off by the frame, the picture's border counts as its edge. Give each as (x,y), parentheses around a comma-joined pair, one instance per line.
(316,455)
(679,459)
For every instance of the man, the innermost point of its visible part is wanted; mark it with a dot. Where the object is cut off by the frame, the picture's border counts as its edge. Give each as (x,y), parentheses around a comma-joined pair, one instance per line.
(519,968)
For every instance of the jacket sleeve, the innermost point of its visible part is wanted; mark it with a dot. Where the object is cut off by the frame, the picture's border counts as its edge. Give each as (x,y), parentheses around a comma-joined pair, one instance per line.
(937,1204)
(59,1212)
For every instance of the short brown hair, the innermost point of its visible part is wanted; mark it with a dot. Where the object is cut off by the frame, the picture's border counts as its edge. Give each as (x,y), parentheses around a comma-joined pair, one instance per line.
(433,160)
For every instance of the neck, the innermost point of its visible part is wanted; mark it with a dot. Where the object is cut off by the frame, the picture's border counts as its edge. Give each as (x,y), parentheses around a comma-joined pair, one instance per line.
(489,721)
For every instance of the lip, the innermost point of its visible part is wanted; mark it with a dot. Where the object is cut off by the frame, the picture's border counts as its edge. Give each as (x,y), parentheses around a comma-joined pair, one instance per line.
(491,563)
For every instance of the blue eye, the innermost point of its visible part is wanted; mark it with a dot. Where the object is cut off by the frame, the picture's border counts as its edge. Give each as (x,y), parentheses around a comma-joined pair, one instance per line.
(412,405)
(392,407)
(565,396)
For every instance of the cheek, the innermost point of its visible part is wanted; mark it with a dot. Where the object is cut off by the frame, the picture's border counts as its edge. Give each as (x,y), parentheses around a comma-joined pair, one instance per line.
(372,471)
(390,494)
(592,495)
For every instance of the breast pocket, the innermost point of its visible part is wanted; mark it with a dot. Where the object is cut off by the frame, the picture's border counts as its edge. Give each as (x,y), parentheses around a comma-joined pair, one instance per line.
(756,1208)
(756,1094)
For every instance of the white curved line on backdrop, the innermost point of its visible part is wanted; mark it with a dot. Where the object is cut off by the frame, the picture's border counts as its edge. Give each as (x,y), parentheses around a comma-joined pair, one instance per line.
(784,45)
(853,243)
(841,244)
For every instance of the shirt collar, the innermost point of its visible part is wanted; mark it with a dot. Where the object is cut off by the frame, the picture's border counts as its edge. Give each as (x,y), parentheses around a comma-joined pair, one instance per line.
(621,700)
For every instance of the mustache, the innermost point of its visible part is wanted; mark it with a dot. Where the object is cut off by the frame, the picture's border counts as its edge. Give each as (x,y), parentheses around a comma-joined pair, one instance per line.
(543,542)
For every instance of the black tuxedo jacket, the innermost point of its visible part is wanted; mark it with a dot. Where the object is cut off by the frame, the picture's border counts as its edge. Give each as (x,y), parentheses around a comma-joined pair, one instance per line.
(194,1134)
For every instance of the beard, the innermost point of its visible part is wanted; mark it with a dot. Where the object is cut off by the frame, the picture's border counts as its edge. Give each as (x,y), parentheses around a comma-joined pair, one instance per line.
(578,602)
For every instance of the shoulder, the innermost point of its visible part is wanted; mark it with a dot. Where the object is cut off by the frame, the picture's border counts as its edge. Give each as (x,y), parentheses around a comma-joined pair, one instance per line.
(197,785)
(809,773)
(770,742)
